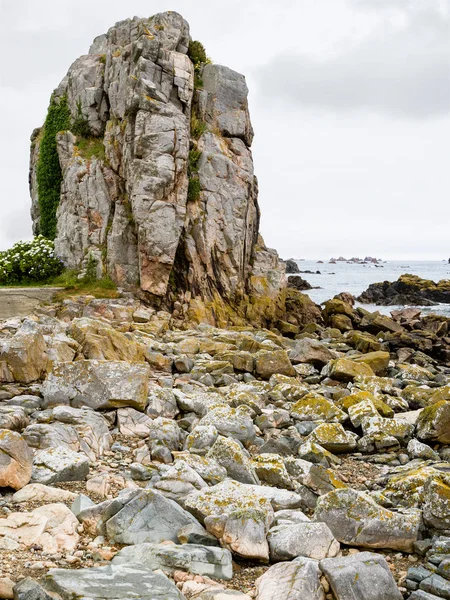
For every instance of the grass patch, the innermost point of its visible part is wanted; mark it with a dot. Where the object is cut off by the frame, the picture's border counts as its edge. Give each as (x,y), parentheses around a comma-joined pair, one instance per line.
(91,147)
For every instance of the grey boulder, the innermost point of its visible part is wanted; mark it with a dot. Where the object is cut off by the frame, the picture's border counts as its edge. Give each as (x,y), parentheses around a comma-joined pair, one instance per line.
(113,582)
(363,576)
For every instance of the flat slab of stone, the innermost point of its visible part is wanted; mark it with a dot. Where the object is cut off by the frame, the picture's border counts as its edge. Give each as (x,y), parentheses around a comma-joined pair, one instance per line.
(20,302)
(113,582)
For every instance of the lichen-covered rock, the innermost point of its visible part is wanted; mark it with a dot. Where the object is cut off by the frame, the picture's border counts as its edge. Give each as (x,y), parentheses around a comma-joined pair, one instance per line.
(357,520)
(270,362)
(314,407)
(230,454)
(333,437)
(344,369)
(436,508)
(97,384)
(434,423)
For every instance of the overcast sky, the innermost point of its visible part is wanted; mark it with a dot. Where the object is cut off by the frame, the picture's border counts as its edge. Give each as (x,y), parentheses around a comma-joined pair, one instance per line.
(350,101)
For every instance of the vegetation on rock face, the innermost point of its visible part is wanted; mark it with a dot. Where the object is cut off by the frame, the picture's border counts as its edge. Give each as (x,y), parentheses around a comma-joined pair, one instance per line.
(197,54)
(194,189)
(49,175)
(91,147)
(80,126)
(30,262)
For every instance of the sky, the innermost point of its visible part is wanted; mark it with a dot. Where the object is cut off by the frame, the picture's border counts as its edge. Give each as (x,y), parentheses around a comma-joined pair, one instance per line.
(350,102)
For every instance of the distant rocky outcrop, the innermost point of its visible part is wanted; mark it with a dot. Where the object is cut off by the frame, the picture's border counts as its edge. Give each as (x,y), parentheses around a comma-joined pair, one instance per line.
(408,289)
(291,266)
(143,169)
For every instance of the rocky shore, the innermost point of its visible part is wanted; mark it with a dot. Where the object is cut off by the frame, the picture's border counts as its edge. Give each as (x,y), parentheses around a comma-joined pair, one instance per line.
(210,433)
(210,463)
(407,290)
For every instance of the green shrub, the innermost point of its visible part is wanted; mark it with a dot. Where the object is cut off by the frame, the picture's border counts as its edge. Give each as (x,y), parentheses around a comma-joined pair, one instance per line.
(48,172)
(30,262)
(198,127)
(194,189)
(80,126)
(197,53)
(194,157)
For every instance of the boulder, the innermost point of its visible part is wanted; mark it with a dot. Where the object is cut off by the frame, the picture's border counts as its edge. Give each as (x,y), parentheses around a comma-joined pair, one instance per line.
(111,582)
(345,369)
(194,558)
(314,407)
(97,384)
(100,341)
(295,580)
(16,460)
(357,520)
(147,517)
(13,418)
(378,361)
(436,507)
(270,362)
(23,356)
(233,457)
(363,576)
(310,351)
(333,437)
(243,532)
(78,429)
(433,424)
(52,526)
(231,422)
(37,492)
(59,464)
(311,540)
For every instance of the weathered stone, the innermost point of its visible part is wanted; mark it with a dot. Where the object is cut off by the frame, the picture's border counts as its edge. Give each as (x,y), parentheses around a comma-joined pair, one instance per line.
(16,460)
(269,362)
(355,519)
(434,423)
(311,540)
(363,576)
(344,369)
(295,580)
(112,582)
(59,464)
(23,356)
(13,418)
(200,560)
(230,454)
(147,517)
(97,384)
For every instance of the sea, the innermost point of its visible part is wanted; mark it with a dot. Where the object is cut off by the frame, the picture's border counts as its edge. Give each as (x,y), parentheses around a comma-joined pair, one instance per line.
(356,277)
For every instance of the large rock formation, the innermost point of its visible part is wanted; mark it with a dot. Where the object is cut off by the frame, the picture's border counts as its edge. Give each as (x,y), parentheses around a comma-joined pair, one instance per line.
(158,187)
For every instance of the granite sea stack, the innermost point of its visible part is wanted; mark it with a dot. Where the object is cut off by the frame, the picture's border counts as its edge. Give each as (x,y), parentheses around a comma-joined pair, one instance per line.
(156,187)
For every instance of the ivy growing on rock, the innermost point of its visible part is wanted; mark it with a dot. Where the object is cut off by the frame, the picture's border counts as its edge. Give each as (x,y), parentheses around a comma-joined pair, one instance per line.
(49,175)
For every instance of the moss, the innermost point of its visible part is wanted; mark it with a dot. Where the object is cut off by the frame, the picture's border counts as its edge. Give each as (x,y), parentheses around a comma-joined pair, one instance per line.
(48,172)
(102,59)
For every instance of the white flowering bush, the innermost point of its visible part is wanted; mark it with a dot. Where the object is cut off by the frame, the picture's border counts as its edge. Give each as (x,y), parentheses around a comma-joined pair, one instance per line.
(28,262)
